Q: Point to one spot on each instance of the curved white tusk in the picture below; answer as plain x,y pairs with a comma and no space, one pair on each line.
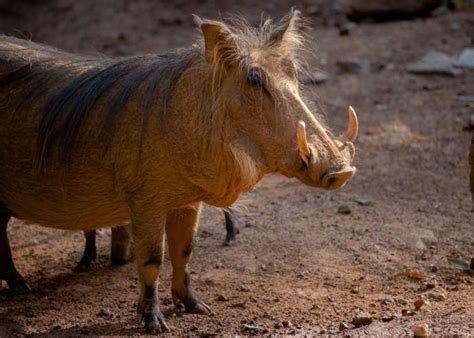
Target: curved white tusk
353,127
303,147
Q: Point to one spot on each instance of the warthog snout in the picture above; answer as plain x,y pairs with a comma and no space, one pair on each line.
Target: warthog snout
332,170
335,180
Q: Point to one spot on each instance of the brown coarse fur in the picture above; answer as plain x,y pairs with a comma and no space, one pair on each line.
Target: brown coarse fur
89,142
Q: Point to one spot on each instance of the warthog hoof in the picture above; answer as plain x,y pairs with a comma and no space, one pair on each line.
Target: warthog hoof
84,265
191,304
149,312
16,283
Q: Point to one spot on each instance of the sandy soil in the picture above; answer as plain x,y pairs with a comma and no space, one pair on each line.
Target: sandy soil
299,265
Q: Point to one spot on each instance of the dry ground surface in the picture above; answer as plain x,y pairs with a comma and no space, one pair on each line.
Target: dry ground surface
299,265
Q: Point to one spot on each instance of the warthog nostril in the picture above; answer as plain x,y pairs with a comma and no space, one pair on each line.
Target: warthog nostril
335,180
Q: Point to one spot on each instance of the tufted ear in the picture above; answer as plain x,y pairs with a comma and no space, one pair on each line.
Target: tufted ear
219,42
288,30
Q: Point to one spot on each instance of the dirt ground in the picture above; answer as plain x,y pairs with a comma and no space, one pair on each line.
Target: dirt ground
300,266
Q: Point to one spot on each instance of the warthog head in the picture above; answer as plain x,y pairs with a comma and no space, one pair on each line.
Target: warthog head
256,72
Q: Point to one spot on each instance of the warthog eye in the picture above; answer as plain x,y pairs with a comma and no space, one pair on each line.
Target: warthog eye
254,77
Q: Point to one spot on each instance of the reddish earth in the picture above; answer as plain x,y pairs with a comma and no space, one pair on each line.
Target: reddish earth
299,265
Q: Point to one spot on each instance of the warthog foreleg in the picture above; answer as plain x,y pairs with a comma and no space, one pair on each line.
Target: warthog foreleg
148,232
90,252
8,272
181,226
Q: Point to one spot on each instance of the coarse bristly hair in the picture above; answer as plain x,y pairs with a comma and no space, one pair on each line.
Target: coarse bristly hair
69,86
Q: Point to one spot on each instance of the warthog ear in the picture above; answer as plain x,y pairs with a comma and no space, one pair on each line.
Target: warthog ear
218,40
288,29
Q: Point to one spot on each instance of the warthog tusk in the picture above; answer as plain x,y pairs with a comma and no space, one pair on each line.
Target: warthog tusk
353,127
303,147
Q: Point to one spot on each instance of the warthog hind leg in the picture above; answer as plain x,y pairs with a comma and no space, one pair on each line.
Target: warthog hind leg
181,226
120,249
8,272
90,252
230,238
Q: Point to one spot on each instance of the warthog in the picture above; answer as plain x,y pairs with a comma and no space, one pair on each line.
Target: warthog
120,243
88,142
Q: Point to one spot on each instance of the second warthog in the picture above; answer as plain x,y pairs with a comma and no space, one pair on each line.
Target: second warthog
89,142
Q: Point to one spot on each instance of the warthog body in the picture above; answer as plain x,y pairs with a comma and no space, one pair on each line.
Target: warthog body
89,142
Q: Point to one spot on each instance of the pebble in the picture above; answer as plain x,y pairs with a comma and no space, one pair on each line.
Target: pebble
244,288
252,328
466,59
315,77
419,303
421,330
222,298
434,62
104,312
344,210
343,326
387,301
286,323
437,296
362,318
347,28
402,301
352,66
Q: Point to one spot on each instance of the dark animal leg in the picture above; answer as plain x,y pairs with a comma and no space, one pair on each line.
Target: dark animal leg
230,238
90,252
8,272
181,226
120,249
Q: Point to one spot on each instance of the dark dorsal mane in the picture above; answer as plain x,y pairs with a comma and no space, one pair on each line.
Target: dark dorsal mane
69,87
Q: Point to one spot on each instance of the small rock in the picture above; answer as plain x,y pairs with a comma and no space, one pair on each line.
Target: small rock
389,318
434,268
402,301
252,328
406,312
388,301
344,210
355,291
421,330
210,282
222,298
347,28
104,312
352,66
286,323
244,288
466,59
419,303
315,77
434,62
362,318
437,296
343,326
